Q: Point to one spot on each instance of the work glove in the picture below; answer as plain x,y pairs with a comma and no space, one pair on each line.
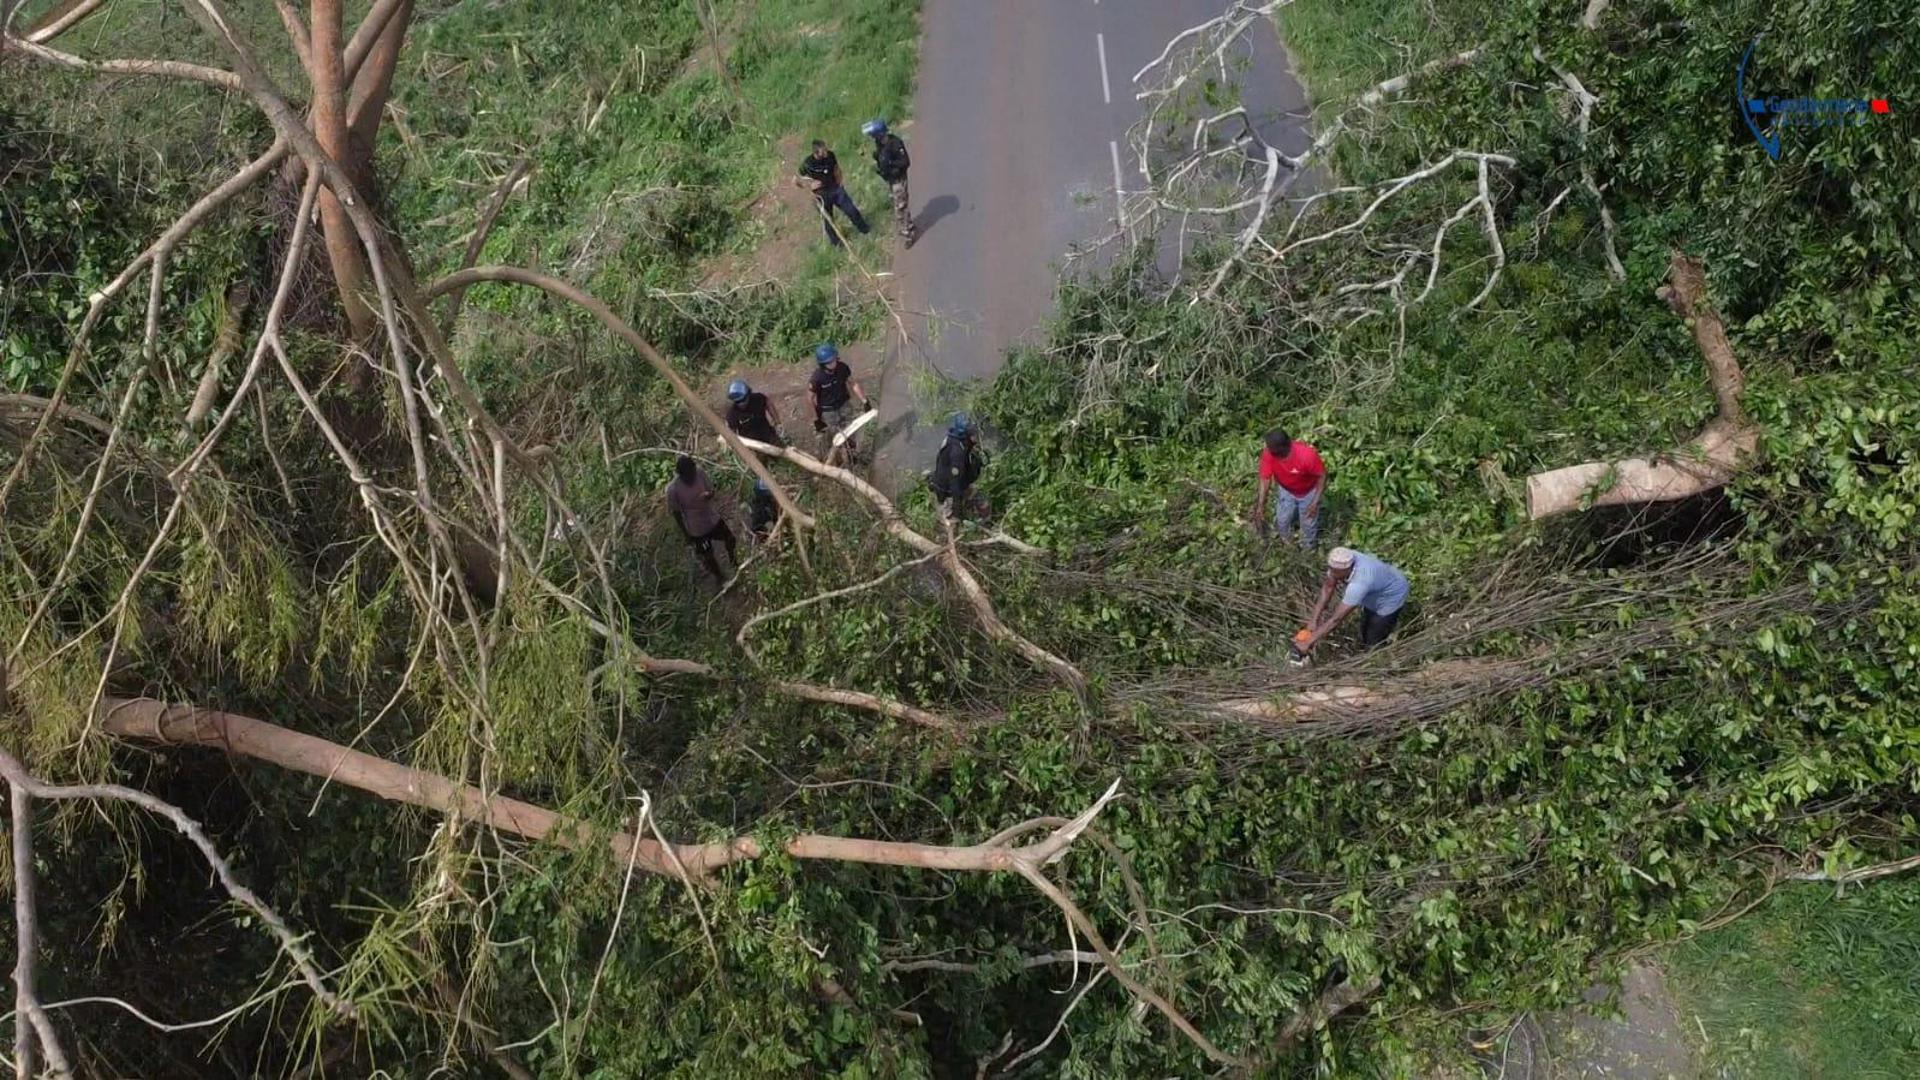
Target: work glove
869,404
819,424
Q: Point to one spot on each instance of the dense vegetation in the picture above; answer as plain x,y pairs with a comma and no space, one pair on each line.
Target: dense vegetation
1596,732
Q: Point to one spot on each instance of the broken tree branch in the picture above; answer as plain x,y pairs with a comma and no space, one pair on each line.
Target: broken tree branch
946,554
16,775
1709,461
821,598
63,18
593,306
1228,163
175,69
29,1019
1585,100
826,695
482,228
155,721
1860,873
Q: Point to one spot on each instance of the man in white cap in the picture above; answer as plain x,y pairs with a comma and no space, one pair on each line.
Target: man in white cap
1370,585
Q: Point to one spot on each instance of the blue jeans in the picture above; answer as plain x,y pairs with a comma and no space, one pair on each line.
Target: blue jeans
1287,505
838,198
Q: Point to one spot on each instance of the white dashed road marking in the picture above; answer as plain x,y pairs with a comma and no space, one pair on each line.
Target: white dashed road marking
1106,90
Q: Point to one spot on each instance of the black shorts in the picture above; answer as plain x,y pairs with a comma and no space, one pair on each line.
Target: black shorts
1375,628
705,543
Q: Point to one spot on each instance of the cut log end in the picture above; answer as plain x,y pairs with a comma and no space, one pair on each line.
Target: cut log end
1706,463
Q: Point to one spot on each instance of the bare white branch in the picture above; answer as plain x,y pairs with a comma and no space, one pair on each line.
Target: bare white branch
1584,101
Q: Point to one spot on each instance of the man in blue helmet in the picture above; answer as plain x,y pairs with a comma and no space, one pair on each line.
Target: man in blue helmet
831,390
955,468
762,510
890,160
820,174
751,414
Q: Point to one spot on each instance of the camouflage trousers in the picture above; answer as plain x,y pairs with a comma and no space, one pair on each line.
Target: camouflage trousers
902,215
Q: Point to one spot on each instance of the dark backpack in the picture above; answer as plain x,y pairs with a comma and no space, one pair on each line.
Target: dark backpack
890,158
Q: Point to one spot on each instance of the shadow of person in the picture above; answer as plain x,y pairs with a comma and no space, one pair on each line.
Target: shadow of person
937,207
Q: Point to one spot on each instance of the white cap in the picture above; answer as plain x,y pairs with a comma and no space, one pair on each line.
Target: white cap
1340,558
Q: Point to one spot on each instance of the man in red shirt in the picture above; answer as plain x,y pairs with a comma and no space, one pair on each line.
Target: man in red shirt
1294,470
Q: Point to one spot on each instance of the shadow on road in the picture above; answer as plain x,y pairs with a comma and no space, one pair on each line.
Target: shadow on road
937,207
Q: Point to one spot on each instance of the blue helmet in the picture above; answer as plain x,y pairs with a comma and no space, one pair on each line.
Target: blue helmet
825,353
737,390
961,427
875,127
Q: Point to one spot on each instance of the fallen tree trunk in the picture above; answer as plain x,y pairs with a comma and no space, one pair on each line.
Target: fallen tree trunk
1707,462
147,719
151,720
1356,699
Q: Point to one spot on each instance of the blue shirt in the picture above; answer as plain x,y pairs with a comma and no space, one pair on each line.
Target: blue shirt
1375,586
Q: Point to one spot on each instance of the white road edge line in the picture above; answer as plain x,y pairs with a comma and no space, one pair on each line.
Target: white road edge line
1119,194
1106,90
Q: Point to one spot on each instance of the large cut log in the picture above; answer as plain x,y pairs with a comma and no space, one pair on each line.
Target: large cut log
1701,465
1704,463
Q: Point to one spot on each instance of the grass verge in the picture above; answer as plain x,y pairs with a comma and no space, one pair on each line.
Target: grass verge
1813,983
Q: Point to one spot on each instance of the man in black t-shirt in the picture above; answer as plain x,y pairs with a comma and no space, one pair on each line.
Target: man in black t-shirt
832,389
820,174
751,414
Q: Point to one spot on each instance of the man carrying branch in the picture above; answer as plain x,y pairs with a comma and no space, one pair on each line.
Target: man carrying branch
752,415
820,174
832,389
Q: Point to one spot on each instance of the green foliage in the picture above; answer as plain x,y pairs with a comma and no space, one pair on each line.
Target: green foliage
239,596
647,167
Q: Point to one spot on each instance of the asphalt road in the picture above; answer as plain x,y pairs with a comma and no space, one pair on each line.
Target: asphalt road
1018,144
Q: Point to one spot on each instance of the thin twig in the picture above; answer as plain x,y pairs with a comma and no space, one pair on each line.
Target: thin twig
17,775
